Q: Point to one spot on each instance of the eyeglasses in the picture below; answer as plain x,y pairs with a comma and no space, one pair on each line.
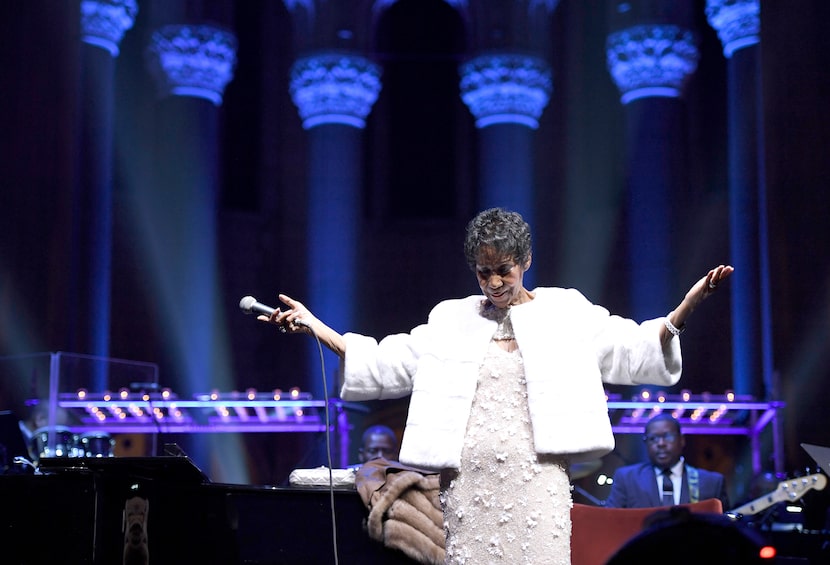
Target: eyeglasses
654,438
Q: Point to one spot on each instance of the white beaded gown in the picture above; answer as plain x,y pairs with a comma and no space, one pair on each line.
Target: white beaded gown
505,504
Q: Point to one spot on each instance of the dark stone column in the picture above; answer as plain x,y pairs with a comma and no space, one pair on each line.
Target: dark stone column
334,93
103,24
738,24
506,93
192,65
650,64
507,84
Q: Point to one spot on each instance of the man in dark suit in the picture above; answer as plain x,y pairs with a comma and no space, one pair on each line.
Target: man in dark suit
666,479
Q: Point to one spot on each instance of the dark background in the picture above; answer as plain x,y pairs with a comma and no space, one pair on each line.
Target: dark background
420,171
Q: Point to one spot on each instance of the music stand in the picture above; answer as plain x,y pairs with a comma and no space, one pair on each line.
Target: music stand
821,455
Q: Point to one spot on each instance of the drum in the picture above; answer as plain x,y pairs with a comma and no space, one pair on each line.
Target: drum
63,444
97,444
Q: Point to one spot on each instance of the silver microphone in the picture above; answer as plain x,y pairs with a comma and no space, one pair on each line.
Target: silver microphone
250,305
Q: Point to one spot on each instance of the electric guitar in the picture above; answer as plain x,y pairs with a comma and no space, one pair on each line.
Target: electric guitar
787,491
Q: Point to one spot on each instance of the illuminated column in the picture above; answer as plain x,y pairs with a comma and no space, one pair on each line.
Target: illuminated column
192,64
103,24
650,65
738,23
506,94
334,92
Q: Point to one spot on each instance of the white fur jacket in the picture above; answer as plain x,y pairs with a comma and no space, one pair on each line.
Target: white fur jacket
569,347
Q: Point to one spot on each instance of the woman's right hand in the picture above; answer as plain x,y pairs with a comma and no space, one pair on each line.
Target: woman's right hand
296,318
299,319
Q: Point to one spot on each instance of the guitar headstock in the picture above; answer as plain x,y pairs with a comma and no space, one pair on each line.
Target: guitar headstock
793,489
787,491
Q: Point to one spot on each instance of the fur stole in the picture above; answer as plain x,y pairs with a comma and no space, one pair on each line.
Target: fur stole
404,509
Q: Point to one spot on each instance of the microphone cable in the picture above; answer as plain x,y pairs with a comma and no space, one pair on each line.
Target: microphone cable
249,305
328,444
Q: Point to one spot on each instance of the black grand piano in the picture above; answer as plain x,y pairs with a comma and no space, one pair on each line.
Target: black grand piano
164,510
125,509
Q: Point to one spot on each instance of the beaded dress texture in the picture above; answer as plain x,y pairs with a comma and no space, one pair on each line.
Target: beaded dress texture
505,504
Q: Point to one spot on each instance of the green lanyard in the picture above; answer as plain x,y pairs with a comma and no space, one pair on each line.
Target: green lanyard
694,483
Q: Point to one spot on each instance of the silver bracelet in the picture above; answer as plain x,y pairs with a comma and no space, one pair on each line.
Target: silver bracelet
673,329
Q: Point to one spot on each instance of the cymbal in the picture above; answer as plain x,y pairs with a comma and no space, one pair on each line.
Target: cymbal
584,468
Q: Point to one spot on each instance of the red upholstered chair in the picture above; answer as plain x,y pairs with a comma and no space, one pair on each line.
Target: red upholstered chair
597,532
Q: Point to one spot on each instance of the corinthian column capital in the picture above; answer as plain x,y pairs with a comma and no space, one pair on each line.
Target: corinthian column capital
651,60
192,60
103,22
738,23
506,88
334,88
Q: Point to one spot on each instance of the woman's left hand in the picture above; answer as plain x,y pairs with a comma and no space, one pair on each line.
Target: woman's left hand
701,290
708,284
